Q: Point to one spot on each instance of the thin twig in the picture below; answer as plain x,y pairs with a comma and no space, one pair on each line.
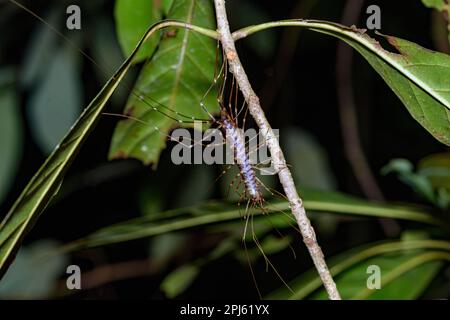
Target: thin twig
309,236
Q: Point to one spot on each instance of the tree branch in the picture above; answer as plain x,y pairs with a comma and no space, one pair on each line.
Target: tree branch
296,205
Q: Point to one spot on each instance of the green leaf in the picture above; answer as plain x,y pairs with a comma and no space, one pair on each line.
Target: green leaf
216,212
405,172
179,280
11,135
435,4
415,260
55,103
133,18
436,168
178,76
418,76
166,6
422,181
46,182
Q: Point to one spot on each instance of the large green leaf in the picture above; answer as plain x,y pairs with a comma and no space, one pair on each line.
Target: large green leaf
421,182
418,76
216,212
406,268
46,182
178,76
403,276
132,20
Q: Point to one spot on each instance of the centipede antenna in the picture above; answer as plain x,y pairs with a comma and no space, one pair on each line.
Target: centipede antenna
244,103
140,95
236,94
147,124
216,77
230,100
251,267
217,61
225,76
267,260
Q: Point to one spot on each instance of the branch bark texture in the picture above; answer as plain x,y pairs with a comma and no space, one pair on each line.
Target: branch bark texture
279,162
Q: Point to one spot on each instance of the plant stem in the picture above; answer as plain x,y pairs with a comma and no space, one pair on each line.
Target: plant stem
296,205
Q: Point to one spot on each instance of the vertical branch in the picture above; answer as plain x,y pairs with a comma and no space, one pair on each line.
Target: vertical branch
348,117
284,174
349,122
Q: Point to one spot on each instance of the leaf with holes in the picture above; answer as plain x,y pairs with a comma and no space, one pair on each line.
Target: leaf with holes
418,76
173,82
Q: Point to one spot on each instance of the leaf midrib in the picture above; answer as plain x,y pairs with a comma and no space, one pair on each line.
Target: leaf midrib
181,58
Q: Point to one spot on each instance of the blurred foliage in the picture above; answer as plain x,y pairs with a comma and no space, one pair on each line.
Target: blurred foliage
431,181
11,132
55,104
406,270
35,272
